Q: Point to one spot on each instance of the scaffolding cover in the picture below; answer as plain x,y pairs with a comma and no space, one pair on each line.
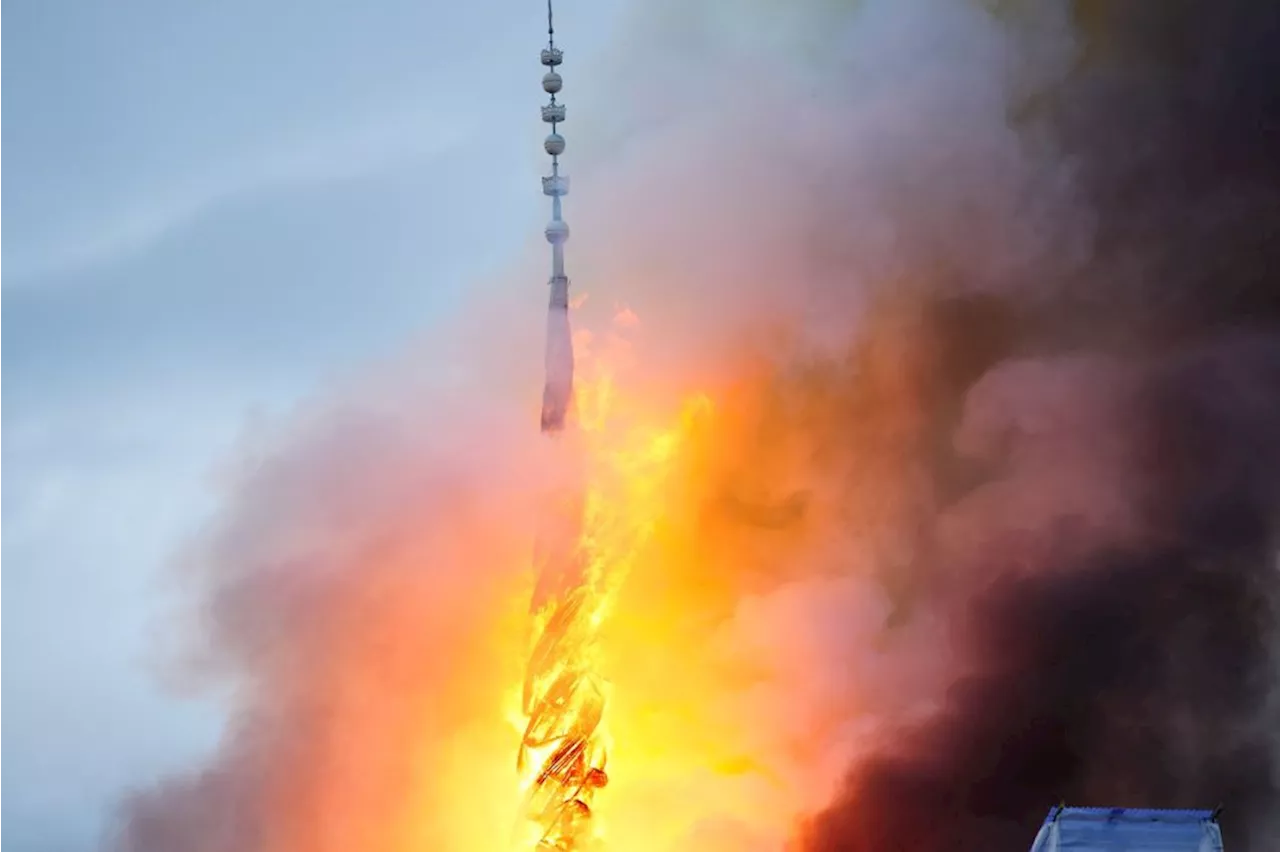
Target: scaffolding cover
1128,830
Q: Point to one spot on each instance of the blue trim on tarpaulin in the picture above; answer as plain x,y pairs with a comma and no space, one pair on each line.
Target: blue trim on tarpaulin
1128,830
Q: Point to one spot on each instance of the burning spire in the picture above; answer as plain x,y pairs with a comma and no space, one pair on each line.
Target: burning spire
558,392
561,757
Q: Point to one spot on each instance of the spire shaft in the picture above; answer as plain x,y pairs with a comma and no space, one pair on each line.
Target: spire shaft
557,394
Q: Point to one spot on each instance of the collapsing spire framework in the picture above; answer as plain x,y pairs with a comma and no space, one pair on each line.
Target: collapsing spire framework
561,757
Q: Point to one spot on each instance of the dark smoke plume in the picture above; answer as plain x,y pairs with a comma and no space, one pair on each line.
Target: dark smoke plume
1133,662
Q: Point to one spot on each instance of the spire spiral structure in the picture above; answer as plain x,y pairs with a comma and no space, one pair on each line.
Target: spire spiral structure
561,757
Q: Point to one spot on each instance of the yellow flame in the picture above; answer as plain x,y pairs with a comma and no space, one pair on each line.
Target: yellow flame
561,709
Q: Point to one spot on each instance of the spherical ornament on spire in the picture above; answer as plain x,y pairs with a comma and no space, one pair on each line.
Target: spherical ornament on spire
554,144
552,82
557,231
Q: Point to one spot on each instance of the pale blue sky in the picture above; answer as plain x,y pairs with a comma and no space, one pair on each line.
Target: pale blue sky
212,209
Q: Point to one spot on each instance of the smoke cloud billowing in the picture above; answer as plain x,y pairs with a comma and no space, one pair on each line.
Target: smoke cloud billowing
987,302
1110,581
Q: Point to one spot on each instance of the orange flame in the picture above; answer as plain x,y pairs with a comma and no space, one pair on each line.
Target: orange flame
592,540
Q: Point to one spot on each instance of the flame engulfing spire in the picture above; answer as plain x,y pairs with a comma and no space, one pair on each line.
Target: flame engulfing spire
561,756
558,392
